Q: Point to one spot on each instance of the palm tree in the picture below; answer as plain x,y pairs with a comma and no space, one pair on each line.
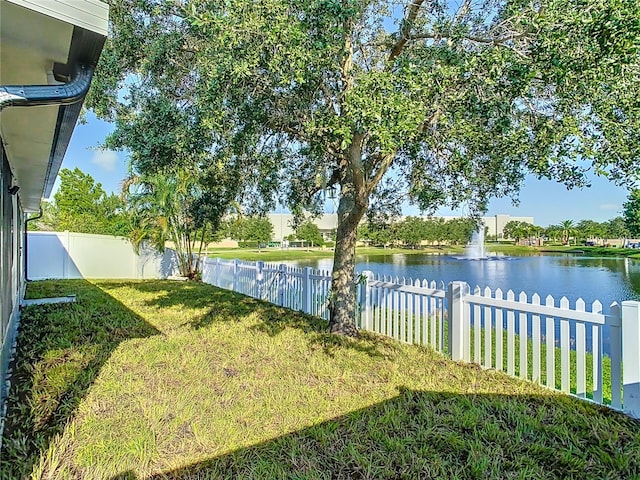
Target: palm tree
161,212
568,228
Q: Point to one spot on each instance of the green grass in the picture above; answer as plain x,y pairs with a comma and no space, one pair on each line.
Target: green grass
269,254
165,379
415,326
275,254
512,249
586,251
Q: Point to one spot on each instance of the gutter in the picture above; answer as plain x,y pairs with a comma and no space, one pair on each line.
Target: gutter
35,95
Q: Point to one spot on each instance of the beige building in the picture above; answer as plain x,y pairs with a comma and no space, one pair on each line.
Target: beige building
329,222
282,224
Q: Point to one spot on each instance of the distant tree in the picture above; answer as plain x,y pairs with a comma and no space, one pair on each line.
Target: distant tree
517,230
568,229
378,233
631,213
411,231
364,233
553,232
438,230
256,229
590,229
617,228
310,233
535,231
229,226
459,230
81,205
78,193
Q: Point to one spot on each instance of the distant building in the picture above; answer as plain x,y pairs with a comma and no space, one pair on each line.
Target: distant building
282,224
329,222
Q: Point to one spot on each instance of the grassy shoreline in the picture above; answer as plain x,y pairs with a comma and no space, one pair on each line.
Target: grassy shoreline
159,379
274,255
573,249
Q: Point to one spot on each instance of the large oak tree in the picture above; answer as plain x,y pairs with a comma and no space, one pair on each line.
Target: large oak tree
453,102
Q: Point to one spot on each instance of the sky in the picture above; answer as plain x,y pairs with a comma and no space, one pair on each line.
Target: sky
546,201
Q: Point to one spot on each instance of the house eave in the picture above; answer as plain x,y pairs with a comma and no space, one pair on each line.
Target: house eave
68,33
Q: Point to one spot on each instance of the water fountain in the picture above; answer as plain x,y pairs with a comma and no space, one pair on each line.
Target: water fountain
475,250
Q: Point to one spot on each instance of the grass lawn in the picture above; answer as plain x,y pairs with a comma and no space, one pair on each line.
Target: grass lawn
163,379
586,251
276,254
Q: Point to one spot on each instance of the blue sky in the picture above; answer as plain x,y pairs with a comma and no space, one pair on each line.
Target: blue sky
547,202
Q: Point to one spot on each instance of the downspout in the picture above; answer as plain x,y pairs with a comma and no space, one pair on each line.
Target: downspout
25,249
34,95
37,95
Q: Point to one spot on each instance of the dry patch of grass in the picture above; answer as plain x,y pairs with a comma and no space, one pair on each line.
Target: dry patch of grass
172,380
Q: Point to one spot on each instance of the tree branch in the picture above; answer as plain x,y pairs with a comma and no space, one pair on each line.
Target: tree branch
473,38
327,96
405,29
386,162
347,63
432,120
356,168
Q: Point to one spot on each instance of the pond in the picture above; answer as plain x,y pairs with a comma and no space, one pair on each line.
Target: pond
574,276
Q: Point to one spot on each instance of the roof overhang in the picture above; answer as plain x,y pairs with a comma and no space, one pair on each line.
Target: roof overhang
35,35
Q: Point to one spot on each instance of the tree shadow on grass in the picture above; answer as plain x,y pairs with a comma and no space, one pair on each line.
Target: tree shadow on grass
219,304
375,346
422,434
61,349
227,306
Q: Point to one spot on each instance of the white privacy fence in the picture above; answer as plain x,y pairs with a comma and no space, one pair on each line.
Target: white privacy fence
549,342
83,255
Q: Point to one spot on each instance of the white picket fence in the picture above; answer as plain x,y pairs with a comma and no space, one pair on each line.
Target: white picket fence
551,343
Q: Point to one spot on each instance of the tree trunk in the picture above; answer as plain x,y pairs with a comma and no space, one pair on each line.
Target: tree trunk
342,306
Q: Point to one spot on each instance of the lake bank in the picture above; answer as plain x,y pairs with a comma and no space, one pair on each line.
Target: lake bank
276,254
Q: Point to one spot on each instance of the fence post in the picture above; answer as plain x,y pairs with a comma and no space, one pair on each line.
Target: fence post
455,300
282,283
235,275
259,279
365,300
216,270
631,358
306,290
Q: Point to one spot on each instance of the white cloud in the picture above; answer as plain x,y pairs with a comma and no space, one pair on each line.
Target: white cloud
105,159
609,206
